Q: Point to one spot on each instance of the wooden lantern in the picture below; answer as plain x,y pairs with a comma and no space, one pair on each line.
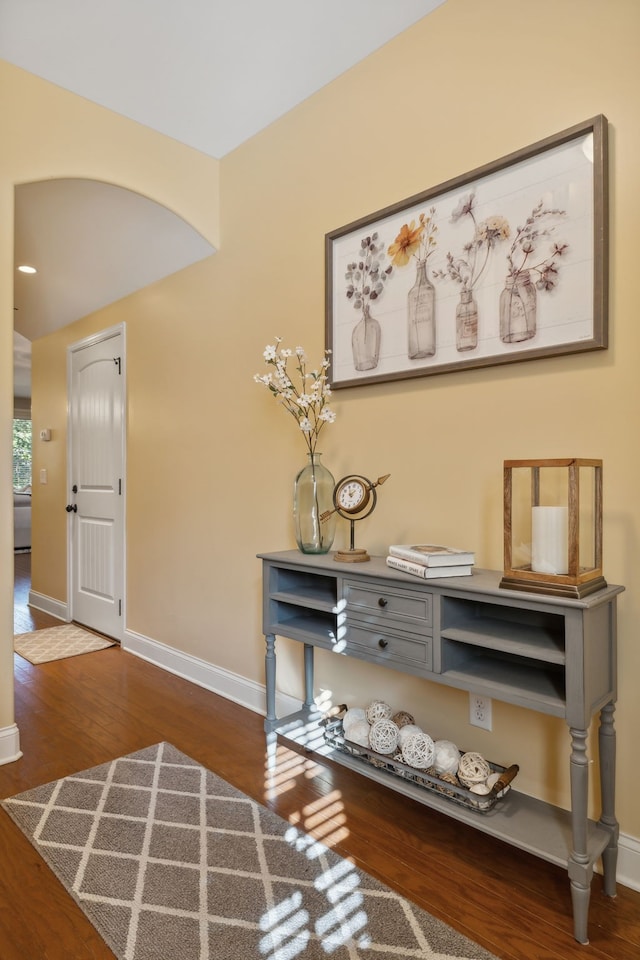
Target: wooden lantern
553,526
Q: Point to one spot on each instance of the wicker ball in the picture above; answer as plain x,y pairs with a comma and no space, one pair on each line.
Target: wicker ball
473,768
406,732
417,751
446,757
352,716
402,718
449,778
358,733
383,736
378,710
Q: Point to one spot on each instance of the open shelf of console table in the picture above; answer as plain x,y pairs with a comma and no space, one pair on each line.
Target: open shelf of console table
544,653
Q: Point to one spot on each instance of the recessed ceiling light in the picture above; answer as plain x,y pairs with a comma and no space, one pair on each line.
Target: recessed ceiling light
25,268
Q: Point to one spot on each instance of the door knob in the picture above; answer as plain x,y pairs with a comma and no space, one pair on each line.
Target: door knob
71,508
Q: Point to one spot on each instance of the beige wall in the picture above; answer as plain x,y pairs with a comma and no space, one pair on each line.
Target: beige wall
211,459
50,133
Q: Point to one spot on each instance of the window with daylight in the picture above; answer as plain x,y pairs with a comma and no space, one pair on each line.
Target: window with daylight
21,453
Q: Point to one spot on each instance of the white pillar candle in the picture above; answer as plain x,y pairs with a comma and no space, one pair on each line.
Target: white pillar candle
550,540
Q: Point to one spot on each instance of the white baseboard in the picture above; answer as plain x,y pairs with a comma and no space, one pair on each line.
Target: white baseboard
230,685
9,744
48,605
252,695
628,872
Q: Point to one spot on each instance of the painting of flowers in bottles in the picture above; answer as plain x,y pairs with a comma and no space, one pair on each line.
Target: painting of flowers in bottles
508,262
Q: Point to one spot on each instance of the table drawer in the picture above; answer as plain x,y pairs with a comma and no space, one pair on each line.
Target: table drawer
383,602
386,646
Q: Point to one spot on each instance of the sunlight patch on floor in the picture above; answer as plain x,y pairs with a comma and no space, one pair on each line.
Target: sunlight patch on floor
281,769
316,828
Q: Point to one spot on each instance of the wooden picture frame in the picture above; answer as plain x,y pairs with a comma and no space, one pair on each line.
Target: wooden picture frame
506,263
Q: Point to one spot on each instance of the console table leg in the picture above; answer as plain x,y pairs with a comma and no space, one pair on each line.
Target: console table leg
308,675
607,743
580,870
270,680
580,896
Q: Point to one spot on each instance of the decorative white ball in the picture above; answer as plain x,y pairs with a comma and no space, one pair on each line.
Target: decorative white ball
417,751
352,716
406,732
446,757
378,710
383,736
358,733
480,788
473,768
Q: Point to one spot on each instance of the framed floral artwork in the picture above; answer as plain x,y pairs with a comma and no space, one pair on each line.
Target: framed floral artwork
508,262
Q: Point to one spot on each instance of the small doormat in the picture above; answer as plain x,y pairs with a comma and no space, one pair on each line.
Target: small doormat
168,860
56,643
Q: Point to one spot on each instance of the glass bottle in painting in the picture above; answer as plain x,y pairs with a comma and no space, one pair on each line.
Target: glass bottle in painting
365,341
421,309
466,322
518,308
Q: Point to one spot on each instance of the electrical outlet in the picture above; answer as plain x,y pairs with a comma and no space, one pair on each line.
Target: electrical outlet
480,711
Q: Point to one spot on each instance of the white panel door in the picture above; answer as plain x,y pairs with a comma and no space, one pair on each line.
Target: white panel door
96,482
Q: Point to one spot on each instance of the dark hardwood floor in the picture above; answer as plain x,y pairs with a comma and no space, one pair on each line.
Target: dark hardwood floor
25,618
76,713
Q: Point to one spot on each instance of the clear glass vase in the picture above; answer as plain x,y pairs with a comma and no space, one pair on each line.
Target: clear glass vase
313,496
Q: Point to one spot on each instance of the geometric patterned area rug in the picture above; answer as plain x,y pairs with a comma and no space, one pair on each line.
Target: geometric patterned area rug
56,643
169,861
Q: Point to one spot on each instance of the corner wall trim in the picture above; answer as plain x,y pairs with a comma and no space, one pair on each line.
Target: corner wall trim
9,744
39,601
252,695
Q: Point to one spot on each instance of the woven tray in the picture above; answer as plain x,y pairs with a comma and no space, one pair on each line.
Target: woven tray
426,779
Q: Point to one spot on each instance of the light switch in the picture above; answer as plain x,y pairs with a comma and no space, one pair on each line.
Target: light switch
45,434
43,475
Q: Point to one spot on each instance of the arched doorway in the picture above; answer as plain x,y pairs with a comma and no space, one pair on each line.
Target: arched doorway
92,244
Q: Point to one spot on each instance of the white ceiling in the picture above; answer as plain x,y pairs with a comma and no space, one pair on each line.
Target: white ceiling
208,73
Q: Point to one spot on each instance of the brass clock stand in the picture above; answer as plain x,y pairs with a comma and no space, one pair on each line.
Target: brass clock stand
354,498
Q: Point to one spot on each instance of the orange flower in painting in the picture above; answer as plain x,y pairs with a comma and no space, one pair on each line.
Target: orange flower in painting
407,242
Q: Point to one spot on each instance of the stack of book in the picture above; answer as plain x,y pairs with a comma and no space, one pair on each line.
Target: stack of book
429,561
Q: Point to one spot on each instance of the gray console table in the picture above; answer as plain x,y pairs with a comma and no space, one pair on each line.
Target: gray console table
544,653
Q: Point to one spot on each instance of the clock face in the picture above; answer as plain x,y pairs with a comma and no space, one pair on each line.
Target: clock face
352,495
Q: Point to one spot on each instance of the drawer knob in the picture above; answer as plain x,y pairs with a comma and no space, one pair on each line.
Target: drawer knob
382,602
382,643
